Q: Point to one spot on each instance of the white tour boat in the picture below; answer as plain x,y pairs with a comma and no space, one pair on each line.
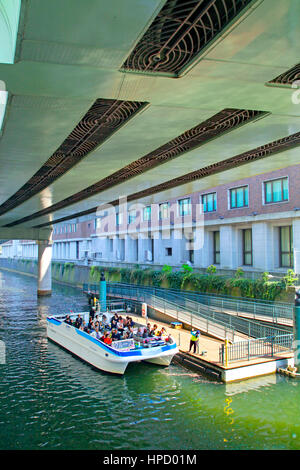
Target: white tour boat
112,358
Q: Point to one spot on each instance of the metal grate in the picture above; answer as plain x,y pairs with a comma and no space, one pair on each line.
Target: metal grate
238,160
180,31
287,78
256,154
224,121
103,118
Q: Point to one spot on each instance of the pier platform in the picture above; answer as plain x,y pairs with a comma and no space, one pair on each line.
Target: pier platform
207,361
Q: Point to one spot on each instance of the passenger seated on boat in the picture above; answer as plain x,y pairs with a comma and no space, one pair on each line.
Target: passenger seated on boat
114,320
95,333
115,335
106,338
163,333
153,330
91,324
68,320
145,333
105,321
120,324
126,335
130,332
78,321
85,327
129,322
140,332
100,325
168,339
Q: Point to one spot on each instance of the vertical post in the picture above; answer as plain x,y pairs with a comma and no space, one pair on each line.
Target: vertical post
297,329
44,268
102,293
226,352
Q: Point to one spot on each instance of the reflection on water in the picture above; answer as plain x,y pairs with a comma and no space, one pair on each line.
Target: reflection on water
51,400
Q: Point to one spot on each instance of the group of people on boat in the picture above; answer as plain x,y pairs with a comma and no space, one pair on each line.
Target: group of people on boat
117,328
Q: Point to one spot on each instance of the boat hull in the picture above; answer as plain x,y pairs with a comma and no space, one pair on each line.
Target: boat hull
161,361
101,356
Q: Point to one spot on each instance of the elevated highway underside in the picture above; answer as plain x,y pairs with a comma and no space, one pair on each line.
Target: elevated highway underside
144,99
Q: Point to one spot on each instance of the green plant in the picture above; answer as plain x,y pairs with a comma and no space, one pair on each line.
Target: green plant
187,268
211,269
166,268
290,278
265,276
239,273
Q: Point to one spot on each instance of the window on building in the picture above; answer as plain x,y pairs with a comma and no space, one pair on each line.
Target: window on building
216,239
247,247
286,247
168,251
276,190
239,197
209,202
119,218
131,216
97,223
184,206
147,213
111,244
164,210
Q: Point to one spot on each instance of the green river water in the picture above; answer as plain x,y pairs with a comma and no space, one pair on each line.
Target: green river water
51,400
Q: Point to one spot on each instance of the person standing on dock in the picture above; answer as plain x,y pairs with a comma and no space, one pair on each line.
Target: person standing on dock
194,341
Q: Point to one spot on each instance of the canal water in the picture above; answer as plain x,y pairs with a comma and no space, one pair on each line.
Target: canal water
51,400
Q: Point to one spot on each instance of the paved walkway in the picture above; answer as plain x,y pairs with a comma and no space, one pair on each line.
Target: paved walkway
206,343
182,338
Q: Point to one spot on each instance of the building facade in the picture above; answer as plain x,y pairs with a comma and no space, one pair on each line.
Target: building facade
252,223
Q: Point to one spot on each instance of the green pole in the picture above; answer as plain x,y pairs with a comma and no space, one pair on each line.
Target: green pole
297,329
102,293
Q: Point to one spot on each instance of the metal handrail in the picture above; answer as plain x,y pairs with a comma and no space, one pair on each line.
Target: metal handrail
254,348
194,293
195,319
236,324
277,312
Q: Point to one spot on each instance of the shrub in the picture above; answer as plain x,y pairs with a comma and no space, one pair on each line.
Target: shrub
211,269
187,268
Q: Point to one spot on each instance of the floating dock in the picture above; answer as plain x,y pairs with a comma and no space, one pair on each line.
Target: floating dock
207,361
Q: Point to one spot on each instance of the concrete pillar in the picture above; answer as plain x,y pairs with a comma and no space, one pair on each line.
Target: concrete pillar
205,255
228,247
263,246
44,267
131,248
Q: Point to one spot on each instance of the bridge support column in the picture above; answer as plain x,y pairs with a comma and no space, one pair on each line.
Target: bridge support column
44,267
